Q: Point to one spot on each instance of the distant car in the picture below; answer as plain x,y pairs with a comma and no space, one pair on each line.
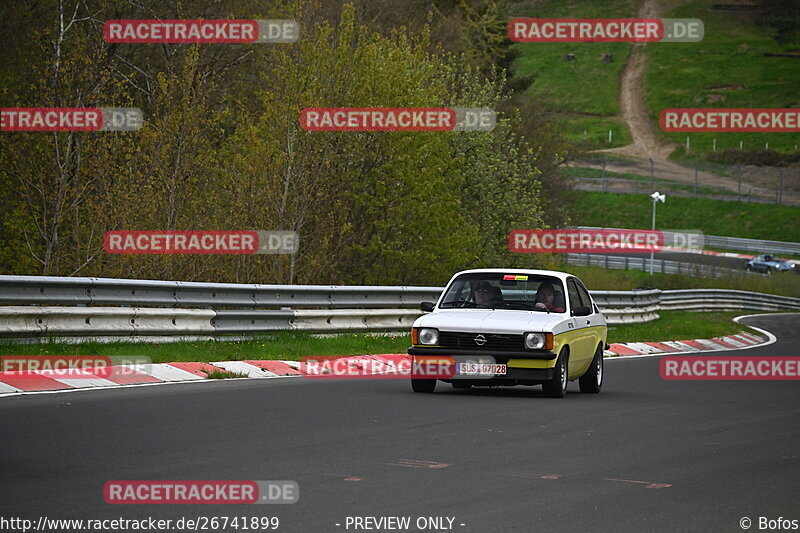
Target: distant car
513,327
768,264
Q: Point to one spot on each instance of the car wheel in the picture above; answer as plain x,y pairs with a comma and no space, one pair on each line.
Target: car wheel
556,387
749,268
592,380
460,385
423,385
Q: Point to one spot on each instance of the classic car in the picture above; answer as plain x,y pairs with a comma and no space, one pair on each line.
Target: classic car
768,264
513,327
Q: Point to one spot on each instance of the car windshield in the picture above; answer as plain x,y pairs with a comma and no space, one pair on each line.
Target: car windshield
499,290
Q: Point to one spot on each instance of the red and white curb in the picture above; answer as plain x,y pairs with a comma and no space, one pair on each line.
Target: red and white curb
41,381
48,381
730,342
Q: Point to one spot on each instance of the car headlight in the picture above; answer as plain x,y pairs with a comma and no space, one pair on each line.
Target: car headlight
534,341
428,336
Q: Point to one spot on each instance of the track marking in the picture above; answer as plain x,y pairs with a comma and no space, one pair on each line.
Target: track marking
648,484
523,473
414,463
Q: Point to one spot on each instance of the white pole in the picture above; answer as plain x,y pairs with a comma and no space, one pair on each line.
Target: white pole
654,228
714,148
687,144
609,136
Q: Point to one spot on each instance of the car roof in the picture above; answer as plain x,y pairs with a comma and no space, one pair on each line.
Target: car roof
554,273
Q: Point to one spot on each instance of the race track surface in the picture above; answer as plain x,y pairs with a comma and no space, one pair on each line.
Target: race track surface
644,455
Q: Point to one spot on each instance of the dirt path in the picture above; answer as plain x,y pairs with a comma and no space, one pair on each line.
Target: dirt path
646,143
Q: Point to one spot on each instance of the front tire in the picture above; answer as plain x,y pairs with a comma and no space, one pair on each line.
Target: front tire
556,387
592,380
423,385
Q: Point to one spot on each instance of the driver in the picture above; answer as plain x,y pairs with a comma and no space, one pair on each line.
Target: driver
483,294
546,298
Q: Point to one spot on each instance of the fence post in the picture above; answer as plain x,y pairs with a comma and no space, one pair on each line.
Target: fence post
739,190
695,179
605,180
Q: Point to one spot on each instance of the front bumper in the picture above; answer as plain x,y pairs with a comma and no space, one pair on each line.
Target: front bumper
498,356
514,375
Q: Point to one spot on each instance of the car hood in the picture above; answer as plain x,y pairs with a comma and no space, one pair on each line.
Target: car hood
490,321
780,264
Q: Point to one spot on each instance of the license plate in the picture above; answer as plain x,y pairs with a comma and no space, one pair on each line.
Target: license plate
481,369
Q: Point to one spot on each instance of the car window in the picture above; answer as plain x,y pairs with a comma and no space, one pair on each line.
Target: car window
586,300
499,290
574,297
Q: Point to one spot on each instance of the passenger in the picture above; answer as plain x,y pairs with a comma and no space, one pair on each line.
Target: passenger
546,298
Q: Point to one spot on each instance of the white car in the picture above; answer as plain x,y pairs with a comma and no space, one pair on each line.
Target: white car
512,327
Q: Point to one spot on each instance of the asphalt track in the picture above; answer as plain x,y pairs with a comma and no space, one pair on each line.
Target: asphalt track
698,259
644,455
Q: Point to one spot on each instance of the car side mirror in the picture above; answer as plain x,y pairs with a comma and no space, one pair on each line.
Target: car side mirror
581,311
427,306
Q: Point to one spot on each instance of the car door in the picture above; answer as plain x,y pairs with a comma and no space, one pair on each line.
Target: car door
581,338
595,321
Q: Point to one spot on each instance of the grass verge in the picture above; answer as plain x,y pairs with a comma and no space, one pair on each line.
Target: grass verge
289,346
678,325
712,217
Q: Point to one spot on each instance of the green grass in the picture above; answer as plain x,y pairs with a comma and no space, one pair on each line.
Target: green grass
586,89
283,345
712,217
223,374
678,325
726,69
731,54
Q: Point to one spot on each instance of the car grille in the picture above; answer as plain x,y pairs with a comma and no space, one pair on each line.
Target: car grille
494,341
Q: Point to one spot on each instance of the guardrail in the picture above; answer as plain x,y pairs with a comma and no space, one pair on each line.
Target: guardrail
659,265
753,245
624,307
726,300
47,290
124,322
757,246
